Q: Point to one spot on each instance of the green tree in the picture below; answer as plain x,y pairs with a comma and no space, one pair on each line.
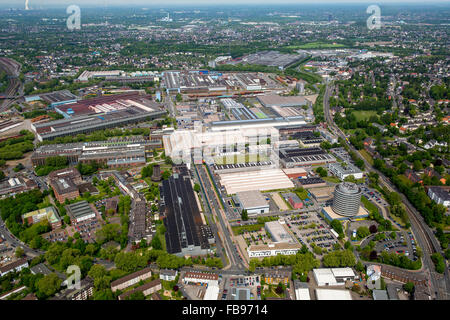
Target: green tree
48,285
156,243
244,215
409,287
362,232
19,252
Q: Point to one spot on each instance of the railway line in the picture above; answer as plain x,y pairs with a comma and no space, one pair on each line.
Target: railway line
12,69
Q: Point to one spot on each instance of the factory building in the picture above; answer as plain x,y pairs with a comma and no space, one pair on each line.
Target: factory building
266,123
103,113
55,98
331,138
182,217
298,157
182,144
252,201
264,179
113,153
270,101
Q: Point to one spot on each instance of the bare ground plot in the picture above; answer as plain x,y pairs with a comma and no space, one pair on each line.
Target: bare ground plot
279,201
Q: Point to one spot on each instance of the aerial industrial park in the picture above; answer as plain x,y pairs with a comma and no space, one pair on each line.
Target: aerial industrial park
189,156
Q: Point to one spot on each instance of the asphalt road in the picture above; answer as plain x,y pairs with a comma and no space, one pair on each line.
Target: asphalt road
15,243
439,285
224,229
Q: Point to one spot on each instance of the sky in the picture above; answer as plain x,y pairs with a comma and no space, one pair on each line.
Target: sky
18,3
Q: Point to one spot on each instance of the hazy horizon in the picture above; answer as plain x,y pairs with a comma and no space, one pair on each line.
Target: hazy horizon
102,3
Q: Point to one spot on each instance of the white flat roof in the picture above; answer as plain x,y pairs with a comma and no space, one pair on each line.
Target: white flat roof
252,199
264,179
333,294
212,292
343,272
324,275
302,294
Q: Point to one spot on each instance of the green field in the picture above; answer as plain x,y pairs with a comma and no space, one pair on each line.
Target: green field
364,115
332,179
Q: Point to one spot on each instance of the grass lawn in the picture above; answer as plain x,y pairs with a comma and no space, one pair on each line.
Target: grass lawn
364,114
302,195
161,236
368,204
332,179
237,230
270,293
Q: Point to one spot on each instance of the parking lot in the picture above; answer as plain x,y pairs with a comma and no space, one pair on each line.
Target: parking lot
373,195
403,243
86,229
310,228
56,235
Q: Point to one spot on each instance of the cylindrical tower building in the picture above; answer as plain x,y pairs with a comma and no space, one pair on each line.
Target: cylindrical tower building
347,199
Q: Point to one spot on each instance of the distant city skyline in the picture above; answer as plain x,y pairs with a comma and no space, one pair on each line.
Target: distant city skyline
49,3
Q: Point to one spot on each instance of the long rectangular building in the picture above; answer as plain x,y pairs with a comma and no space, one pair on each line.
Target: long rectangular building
297,157
265,179
95,115
182,216
113,153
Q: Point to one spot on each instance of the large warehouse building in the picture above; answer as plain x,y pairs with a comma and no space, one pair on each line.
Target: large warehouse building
96,114
297,157
270,101
182,216
252,201
113,153
265,179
